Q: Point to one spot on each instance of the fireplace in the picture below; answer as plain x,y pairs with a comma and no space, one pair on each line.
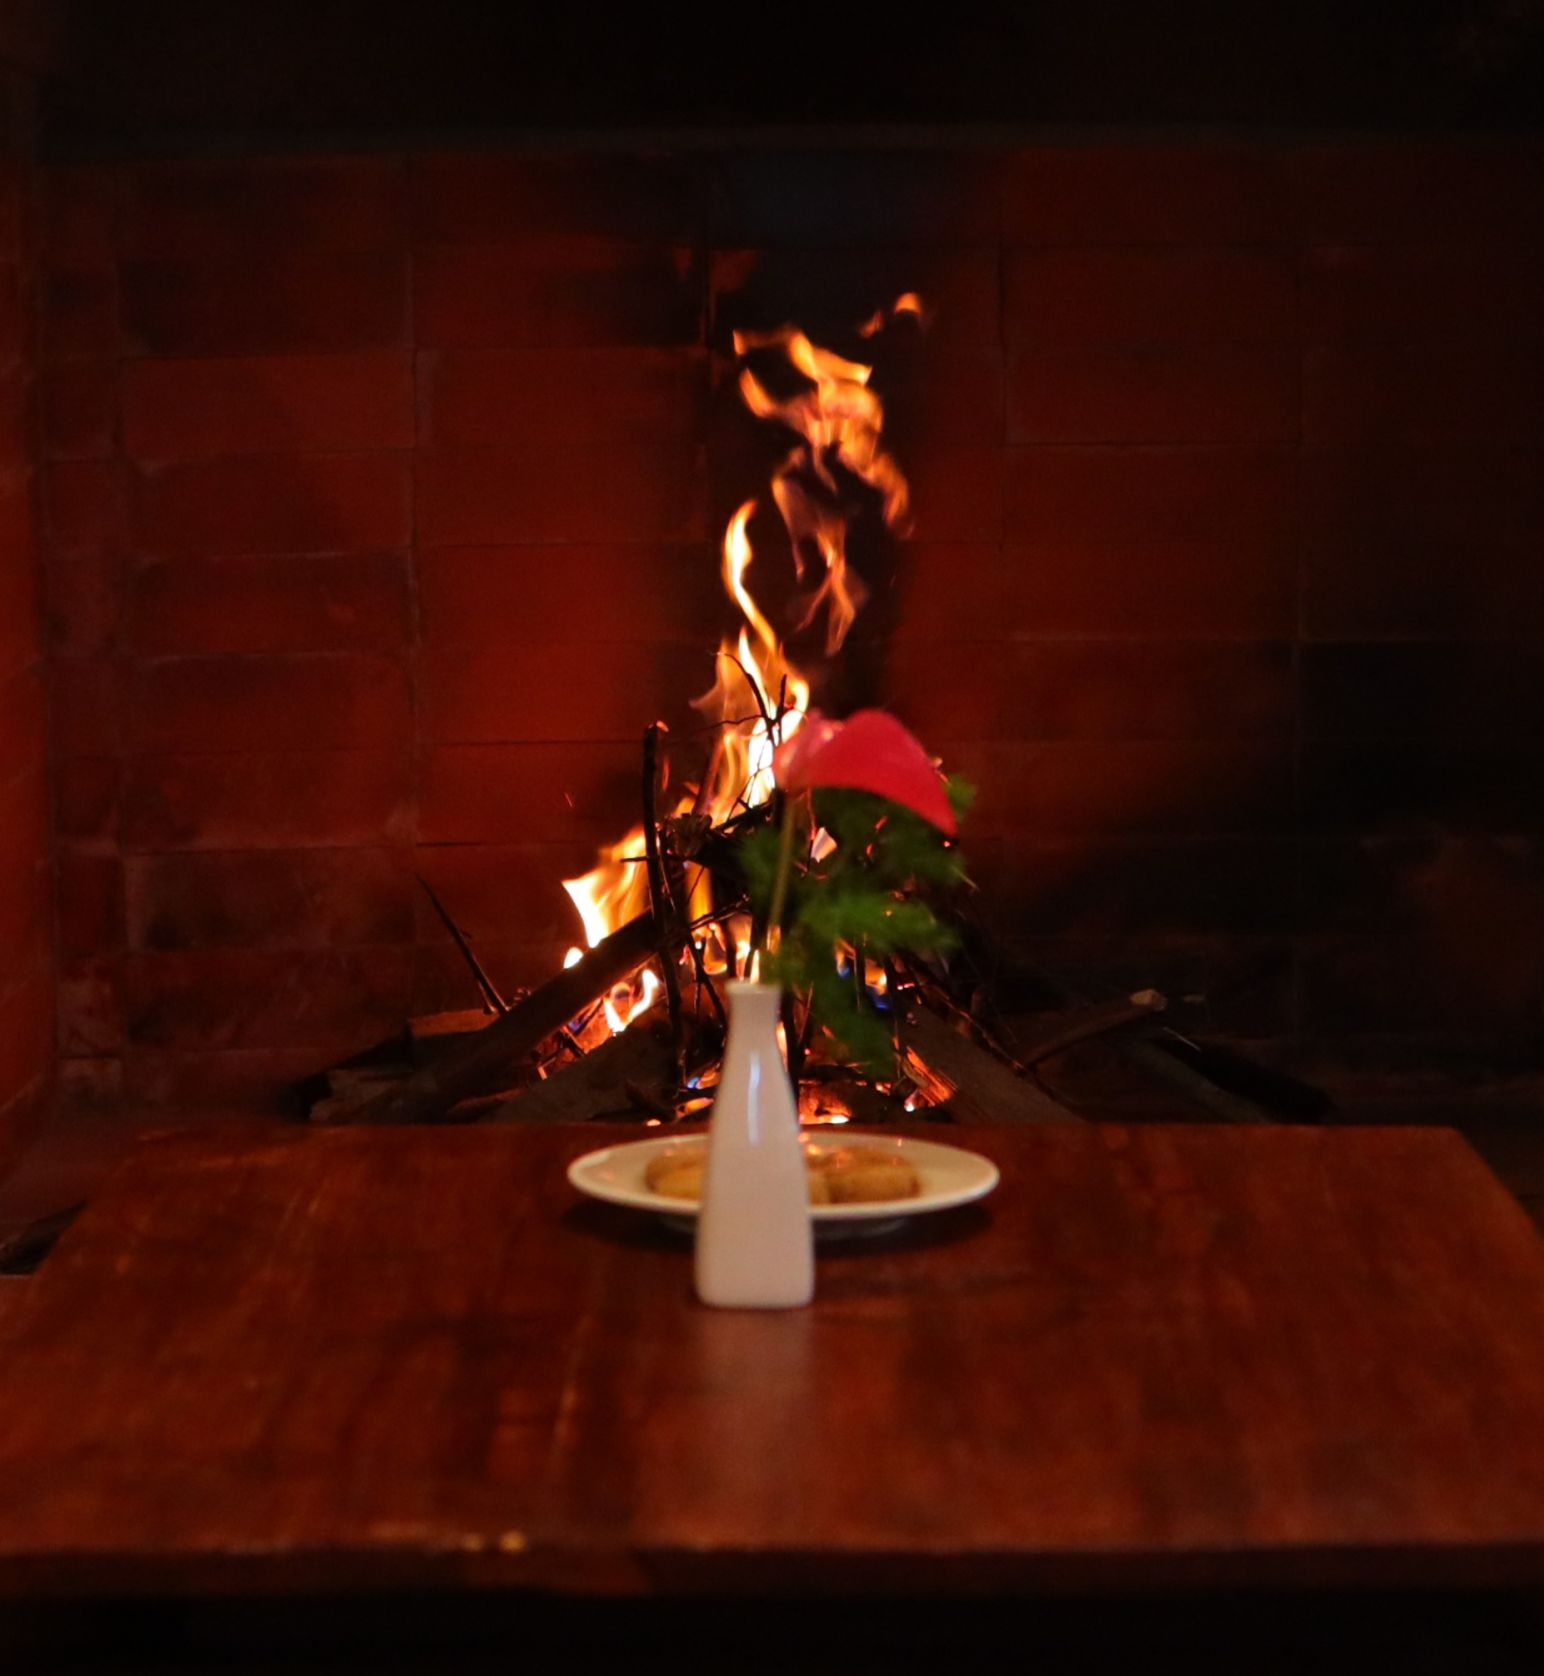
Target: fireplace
381,495
383,499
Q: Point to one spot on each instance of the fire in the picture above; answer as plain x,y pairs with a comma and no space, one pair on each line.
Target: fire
759,697
612,893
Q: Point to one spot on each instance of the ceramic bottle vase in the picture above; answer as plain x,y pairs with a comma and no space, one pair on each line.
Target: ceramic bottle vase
755,1243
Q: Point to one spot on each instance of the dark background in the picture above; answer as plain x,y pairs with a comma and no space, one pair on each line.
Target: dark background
167,75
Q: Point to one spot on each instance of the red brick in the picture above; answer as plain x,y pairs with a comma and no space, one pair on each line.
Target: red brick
956,493
17,194
1488,983
86,791
208,209
337,603
860,196
503,891
1116,496
91,1085
337,1001
23,725
26,1041
87,508
19,624
441,982
244,800
17,315
501,794
514,297
831,292
490,693
1393,497
1220,193
947,590
1061,298
1418,192
85,602
1177,886
1423,692
80,411
1402,885
1156,395
248,704
479,196
1358,786
1423,393
1124,787
89,894
90,1007
281,899
482,497
1381,294
280,303
19,425
512,596
274,503
942,400
80,314
239,1082
84,706
1192,589
1096,690
526,398
1361,588
187,410
26,930
79,213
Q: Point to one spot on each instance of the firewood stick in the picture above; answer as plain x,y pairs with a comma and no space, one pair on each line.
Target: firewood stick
984,1089
1084,1023
666,920
493,1002
468,1068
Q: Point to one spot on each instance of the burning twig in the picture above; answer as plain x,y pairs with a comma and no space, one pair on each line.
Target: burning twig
493,1002
666,919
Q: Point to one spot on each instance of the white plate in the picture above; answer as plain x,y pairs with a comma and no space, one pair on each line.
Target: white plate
948,1176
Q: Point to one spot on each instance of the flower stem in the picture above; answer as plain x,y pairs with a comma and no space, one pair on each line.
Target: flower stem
774,918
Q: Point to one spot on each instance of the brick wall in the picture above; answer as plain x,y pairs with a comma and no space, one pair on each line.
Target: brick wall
384,497
26,980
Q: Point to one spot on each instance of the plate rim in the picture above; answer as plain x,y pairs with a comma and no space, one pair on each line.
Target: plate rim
632,1199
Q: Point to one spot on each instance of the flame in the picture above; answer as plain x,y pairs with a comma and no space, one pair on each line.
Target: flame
759,697
612,893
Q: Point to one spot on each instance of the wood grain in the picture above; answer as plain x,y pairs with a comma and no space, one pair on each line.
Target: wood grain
375,1358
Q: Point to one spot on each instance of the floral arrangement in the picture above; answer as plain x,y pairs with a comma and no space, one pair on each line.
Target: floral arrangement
847,879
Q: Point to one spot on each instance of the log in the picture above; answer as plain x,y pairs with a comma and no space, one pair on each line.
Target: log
1065,1030
432,1034
984,1089
468,1068
633,1071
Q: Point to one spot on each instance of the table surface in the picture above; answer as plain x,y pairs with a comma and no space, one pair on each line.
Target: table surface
1157,1356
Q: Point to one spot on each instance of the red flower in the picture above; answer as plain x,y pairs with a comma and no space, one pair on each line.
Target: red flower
870,751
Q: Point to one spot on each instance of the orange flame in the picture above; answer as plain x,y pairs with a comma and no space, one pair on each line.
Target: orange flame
758,697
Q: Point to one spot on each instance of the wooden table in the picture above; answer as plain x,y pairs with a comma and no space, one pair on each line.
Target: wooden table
1158,1356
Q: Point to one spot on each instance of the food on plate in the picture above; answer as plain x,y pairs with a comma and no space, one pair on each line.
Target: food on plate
838,1175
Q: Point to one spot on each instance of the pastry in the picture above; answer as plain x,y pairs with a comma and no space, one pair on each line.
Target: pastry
838,1175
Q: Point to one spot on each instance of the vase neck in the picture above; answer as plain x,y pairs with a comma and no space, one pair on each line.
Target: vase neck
755,1003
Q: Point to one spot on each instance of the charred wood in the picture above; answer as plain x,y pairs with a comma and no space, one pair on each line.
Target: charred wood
983,1089
475,1064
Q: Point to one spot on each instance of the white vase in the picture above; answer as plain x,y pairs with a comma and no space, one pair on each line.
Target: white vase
755,1242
